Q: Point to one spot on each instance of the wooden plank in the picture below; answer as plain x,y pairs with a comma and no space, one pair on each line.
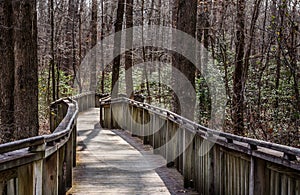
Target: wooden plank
38,177
25,180
188,158
50,174
113,171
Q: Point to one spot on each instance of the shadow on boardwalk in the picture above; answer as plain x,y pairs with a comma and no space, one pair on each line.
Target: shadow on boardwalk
113,162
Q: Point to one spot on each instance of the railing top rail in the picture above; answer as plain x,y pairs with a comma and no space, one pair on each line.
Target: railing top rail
61,131
207,132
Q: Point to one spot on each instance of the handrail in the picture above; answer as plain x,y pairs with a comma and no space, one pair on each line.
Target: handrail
289,152
212,161
20,144
37,140
60,145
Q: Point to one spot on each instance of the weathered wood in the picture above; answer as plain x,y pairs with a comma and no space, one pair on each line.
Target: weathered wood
146,126
50,174
19,144
11,187
61,171
227,168
26,180
69,161
38,177
234,165
107,164
188,159
74,144
107,116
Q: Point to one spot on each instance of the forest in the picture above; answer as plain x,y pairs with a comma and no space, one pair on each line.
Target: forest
254,45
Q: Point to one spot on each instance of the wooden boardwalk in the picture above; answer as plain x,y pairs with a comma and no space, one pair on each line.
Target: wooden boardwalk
107,164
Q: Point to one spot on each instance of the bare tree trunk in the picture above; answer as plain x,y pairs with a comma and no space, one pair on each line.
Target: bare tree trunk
204,33
186,22
295,68
78,75
94,32
255,14
6,73
52,60
102,53
128,54
26,69
238,82
117,49
144,50
74,23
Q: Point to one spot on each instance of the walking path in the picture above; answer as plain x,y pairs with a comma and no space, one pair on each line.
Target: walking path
113,162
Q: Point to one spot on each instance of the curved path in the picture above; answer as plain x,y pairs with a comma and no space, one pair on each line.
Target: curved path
112,162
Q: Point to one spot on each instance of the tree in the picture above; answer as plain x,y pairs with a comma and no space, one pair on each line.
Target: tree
94,32
128,54
117,49
238,81
186,22
101,46
52,52
26,69
6,72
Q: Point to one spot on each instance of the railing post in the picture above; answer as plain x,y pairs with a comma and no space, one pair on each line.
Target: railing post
124,116
131,120
188,158
101,115
257,177
52,117
38,177
30,178
146,124
107,116
50,174
74,143
172,138
69,160
61,171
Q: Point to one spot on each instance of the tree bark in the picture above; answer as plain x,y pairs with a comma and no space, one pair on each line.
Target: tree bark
238,82
94,32
6,73
26,69
52,60
128,54
186,22
117,49
102,37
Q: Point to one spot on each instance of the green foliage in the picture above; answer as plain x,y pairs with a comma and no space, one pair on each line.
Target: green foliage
203,112
45,90
107,82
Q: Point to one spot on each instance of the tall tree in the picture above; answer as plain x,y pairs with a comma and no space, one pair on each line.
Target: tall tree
26,68
94,32
238,81
128,54
117,49
52,52
6,72
101,46
186,22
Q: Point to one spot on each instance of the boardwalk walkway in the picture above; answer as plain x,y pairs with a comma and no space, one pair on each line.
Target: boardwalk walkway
112,162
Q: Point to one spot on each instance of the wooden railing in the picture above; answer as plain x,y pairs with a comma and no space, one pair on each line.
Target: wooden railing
43,164
212,162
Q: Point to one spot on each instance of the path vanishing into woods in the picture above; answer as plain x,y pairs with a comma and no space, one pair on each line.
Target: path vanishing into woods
113,162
